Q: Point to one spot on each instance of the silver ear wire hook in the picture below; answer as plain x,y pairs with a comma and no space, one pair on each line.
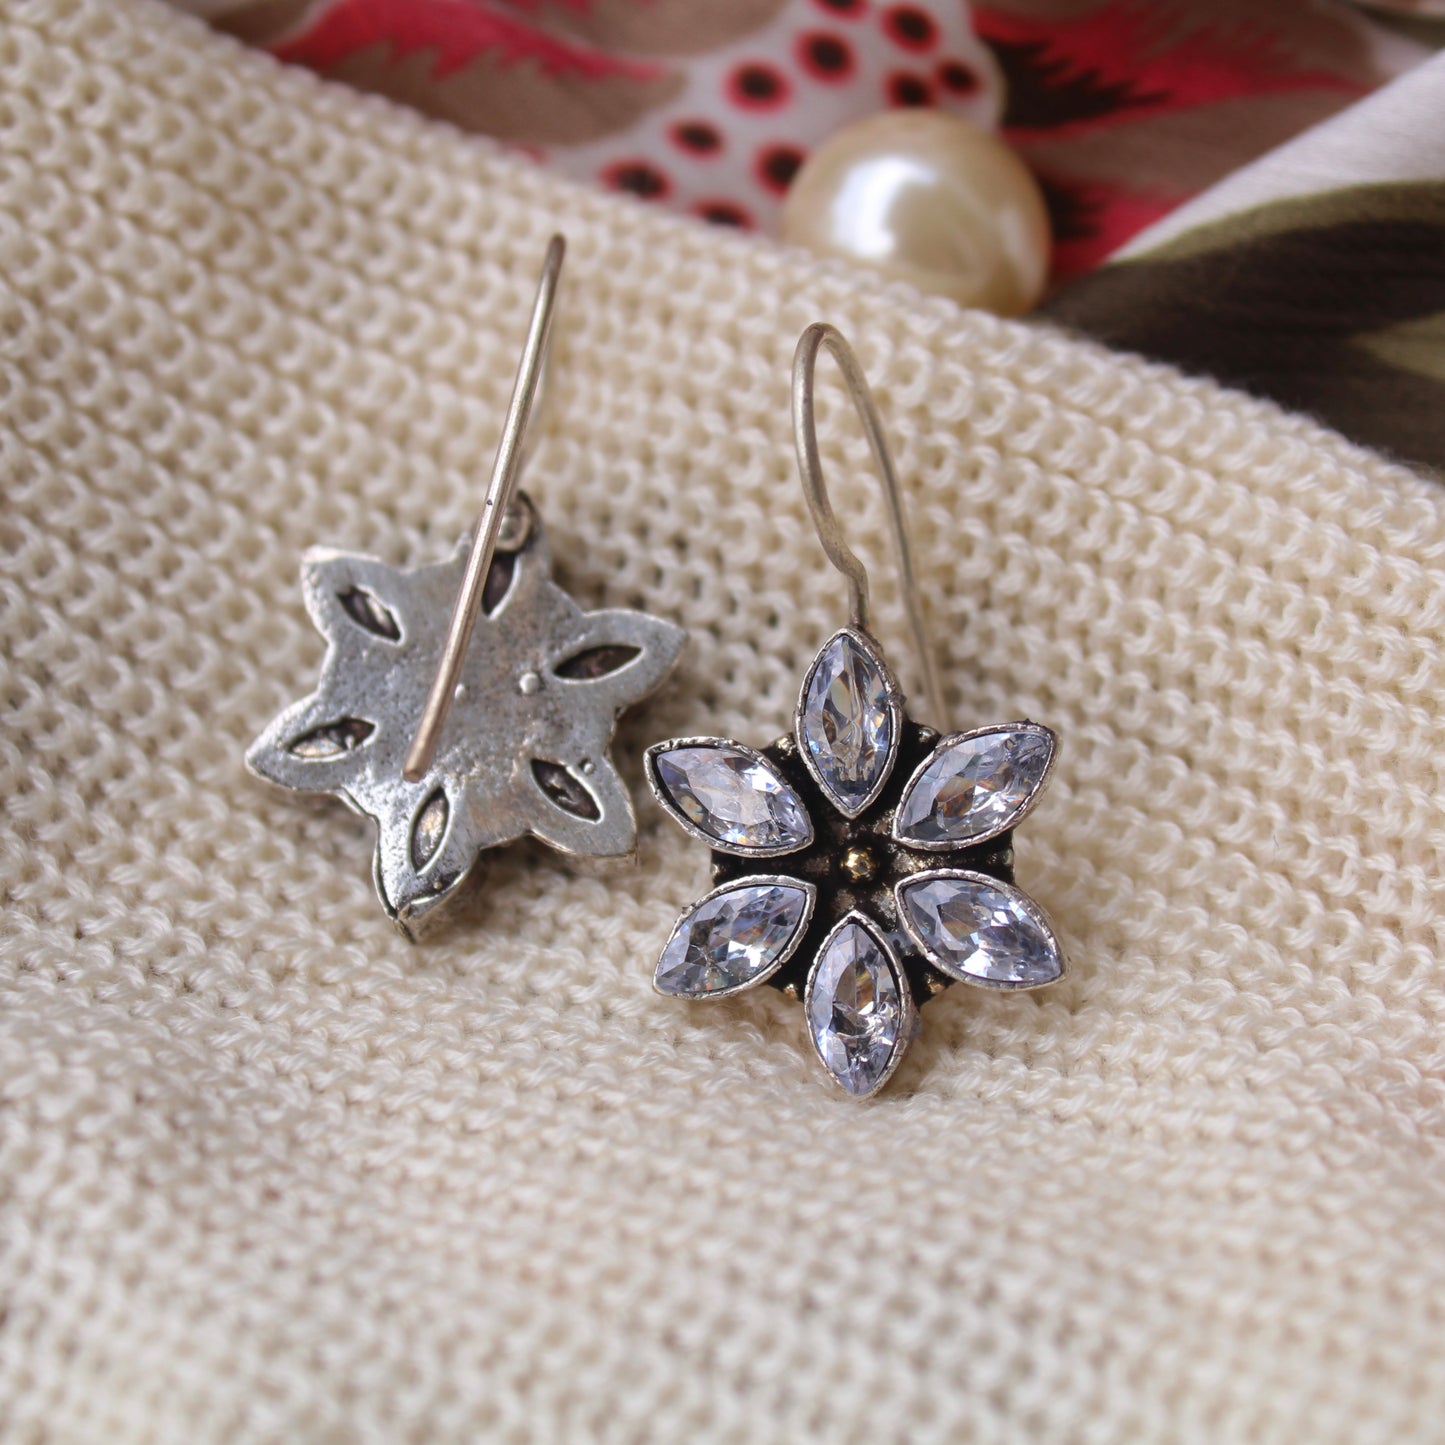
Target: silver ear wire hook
876,852
508,735
810,468
505,471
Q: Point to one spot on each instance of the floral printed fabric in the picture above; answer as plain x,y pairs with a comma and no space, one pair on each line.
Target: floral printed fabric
1123,108
1266,177
1313,276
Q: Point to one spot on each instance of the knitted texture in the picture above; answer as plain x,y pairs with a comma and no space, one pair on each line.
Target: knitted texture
270,1173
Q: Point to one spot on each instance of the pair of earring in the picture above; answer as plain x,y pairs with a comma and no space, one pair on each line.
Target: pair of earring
863,862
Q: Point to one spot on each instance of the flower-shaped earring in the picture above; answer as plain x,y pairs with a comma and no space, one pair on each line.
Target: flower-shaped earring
863,862
531,683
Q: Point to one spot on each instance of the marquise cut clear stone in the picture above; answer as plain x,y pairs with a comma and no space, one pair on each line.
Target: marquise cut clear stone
845,724
731,940
980,931
855,1007
735,798
973,788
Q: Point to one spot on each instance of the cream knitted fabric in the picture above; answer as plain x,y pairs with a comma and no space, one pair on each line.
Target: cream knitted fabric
270,1173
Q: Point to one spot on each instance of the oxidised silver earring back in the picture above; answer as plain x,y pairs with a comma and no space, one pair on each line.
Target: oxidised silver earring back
863,862
457,738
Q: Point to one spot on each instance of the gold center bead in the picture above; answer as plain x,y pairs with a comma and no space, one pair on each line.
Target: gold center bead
859,865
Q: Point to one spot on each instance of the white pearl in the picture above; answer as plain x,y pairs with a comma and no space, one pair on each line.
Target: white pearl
928,198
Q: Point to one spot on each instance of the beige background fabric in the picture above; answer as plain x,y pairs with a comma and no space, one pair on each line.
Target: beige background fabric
270,1173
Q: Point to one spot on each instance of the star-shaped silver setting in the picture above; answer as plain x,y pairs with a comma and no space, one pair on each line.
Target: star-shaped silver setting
525,747
863,863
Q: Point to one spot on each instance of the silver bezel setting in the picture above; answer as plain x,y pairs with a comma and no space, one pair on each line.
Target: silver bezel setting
1022,900
1025,808
757,880
894,701
736,850
908,1008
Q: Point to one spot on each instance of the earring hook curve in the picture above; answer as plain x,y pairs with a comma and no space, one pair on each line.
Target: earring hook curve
506,468
814,339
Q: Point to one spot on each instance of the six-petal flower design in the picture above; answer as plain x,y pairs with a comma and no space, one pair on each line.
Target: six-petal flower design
863,863
525,745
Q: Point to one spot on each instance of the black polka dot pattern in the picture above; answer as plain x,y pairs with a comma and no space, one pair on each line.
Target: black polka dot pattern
826,57
697,137
906,89
724,213
777,165
956,77
758,86
641,178
910,27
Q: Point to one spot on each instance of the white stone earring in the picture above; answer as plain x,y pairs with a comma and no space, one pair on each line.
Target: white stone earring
456,738
863,862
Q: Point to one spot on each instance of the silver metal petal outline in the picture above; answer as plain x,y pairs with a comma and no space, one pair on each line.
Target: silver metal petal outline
802,834
905,1010
809,725
329,576
1033,924
959,744
657,642
611,834
412,895
808,896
